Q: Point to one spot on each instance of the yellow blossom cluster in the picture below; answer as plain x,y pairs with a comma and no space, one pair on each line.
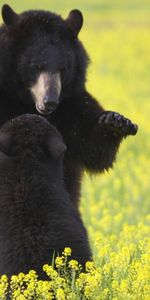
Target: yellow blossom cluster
122,273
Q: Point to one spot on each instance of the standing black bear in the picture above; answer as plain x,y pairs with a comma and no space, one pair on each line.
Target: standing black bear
36,214
43,69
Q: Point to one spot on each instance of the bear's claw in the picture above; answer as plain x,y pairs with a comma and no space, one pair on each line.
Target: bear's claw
117,124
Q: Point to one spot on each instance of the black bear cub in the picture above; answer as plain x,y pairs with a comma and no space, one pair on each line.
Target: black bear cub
36,214
43,68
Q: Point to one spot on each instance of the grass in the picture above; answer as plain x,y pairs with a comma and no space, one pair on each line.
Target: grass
115,206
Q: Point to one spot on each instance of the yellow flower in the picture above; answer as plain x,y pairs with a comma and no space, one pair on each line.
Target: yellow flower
50,271
124,286
14,279
60,295
67,251
3,286
105,293
89,266
115,285
59,261
73,264
20,297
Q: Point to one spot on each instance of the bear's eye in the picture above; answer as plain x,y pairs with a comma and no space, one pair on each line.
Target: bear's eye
35,67
63,71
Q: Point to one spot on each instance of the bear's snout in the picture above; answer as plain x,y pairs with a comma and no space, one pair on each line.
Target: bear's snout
46,92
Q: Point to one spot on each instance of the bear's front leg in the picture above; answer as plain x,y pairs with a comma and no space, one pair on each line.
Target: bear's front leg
92,134
116,124
99,139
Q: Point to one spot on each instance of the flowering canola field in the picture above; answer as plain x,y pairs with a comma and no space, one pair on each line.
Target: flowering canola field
115,206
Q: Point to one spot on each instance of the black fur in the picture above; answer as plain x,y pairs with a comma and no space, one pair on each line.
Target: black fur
36,214
37,41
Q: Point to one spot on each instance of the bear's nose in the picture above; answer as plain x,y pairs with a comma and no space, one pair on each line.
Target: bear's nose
50,103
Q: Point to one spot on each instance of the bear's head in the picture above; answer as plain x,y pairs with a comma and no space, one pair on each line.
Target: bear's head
31,133
48,62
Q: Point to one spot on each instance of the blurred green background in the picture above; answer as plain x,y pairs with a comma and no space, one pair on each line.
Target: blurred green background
116,35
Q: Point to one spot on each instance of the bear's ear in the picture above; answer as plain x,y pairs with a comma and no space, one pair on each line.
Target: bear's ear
5,142
55,145
9,16
75,21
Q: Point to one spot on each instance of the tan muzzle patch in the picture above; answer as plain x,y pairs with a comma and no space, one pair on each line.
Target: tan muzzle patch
46,91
